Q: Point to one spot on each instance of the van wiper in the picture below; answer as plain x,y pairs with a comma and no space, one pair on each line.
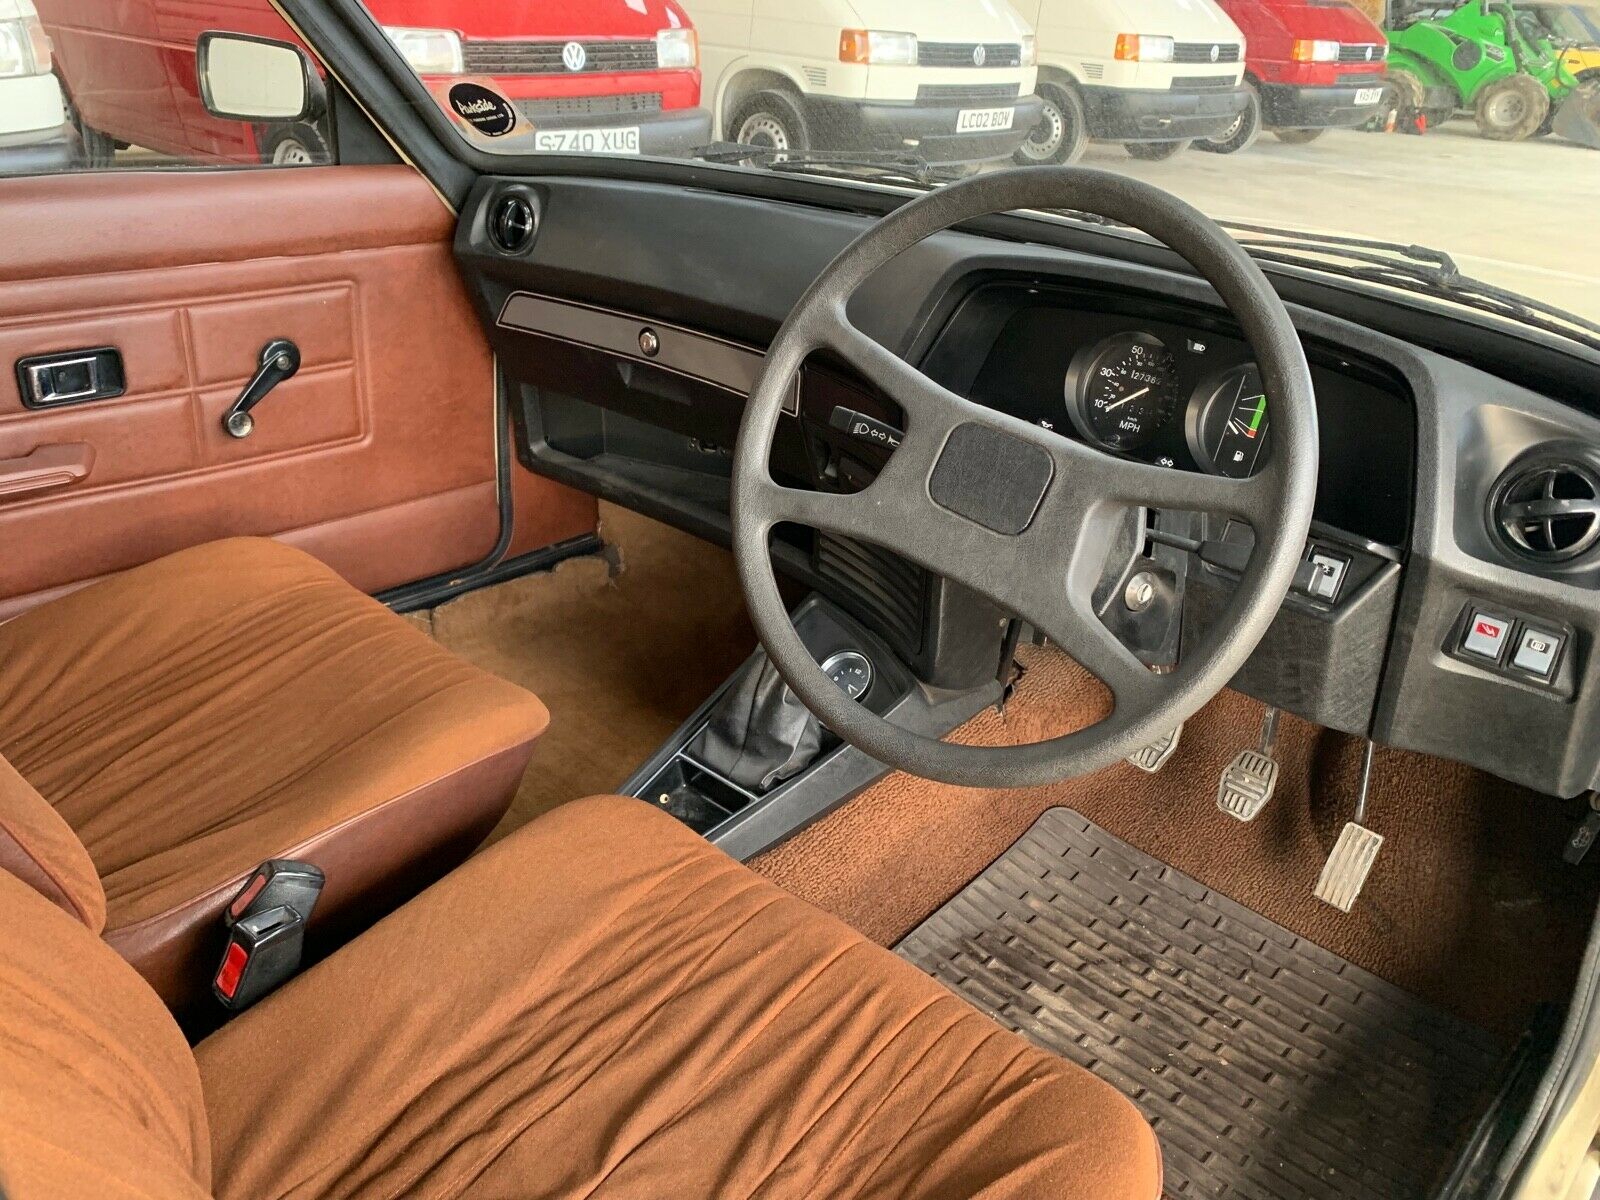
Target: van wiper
888,166
1419,269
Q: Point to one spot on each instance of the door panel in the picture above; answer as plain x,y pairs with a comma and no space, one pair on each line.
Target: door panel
378,455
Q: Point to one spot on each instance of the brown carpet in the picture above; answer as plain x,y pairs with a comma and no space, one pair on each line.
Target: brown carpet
621,648
1469,905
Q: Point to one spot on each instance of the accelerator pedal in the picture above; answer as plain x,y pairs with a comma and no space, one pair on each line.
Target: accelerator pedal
1345,873
1250,779
1153,757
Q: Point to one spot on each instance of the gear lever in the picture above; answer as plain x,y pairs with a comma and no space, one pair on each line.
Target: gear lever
760,733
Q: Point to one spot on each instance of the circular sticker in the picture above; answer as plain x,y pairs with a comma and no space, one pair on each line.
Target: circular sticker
485,111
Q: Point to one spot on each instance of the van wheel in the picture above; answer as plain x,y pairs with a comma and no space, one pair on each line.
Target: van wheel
774,120
98,149
295,146
1241,135
1299,137
1512,108
1062,134
1155,151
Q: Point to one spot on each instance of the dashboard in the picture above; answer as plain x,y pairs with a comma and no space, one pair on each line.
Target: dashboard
1160,384
1450,595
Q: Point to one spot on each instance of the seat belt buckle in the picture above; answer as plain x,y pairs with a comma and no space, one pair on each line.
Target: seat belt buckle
276,883
266,926
263,950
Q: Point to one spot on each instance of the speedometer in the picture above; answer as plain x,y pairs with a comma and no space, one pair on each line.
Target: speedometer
1121,391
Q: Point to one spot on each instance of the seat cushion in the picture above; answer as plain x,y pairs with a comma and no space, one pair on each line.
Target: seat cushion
99,1095
605,1005
238,702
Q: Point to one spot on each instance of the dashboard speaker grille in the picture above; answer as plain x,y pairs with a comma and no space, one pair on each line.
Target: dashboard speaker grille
1548,511
887,590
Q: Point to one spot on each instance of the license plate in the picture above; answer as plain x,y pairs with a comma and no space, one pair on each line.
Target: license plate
1369,95
984,120
588,141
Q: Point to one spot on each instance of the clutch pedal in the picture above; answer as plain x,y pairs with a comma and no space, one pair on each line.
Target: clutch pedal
1251,778
1153,757
1345,873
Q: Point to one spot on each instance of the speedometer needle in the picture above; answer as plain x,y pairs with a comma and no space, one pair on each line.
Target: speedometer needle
1125,399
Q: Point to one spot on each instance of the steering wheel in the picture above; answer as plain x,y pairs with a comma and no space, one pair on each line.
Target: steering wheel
1021,515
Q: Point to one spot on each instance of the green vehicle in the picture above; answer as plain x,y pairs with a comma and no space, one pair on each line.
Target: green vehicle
1484,56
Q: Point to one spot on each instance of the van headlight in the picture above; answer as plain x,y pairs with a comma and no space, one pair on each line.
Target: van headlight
427,51
24,48
878,48
1030,50
677,49
1306,50
1144,47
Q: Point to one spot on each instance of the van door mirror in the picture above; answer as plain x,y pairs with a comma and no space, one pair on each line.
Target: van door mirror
246,78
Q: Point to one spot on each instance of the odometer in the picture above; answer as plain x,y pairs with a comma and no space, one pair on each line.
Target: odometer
1121,391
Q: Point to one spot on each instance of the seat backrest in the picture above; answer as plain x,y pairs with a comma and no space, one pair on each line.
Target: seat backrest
99,1092
38,847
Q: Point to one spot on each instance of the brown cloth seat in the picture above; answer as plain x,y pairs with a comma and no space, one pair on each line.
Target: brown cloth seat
602,1005
236,702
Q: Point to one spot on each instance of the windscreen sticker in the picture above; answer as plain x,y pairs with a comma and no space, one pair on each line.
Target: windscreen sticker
488,112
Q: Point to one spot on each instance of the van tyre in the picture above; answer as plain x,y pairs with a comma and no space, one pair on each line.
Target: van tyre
1155,151
774,120
1512,109
1242,134
1062,134
295,146
1299,137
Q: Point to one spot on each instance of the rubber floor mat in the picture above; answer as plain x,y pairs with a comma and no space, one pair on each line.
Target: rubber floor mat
1269,1067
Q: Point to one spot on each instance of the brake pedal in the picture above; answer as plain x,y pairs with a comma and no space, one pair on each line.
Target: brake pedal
1153,757
1345,873
1251,778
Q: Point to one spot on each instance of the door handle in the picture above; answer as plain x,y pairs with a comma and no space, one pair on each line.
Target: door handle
280,359
46,467
73,377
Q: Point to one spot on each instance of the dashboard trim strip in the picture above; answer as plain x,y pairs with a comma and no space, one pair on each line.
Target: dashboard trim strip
687,352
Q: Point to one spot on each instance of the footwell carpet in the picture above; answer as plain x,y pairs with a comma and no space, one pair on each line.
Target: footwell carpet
1269,1068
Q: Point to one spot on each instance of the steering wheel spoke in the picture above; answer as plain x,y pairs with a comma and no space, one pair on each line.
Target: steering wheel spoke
1126,482
920,397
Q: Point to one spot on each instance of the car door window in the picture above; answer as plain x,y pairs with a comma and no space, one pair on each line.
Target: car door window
114,84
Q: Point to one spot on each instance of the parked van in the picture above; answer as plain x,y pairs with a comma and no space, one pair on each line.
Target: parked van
1312,65
615,75
1152,74
34,132
949,80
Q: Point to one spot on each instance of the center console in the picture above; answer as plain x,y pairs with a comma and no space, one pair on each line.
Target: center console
731,773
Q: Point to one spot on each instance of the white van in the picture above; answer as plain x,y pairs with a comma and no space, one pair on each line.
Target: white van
949,80
1154,74
35,134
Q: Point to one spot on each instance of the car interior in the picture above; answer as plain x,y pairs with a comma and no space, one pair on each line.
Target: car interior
543,674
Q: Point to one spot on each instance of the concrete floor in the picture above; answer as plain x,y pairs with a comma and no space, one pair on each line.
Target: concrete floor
1524,215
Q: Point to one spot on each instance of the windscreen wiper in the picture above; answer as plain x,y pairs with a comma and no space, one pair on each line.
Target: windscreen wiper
1418,269
889,166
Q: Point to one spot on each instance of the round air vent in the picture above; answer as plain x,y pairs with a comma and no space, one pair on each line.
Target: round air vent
1547,509
512,223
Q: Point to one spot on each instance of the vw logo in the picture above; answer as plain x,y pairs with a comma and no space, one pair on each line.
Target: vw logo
980,55
1216,53
574,56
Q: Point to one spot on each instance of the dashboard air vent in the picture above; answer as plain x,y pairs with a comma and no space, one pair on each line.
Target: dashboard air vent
1547,510
512,223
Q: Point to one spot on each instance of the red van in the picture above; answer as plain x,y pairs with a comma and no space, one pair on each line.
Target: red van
1311,64
617,75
